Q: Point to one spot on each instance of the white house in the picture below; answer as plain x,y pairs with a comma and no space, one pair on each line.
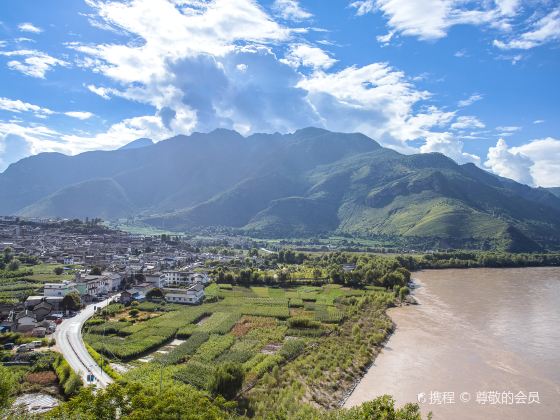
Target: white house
185,278
177,278
114,281
156,279
59,289
192,295
92,285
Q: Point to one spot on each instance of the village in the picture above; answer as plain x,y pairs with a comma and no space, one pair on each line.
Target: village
97,263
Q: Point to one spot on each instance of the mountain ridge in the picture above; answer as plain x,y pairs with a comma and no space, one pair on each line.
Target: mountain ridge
310,182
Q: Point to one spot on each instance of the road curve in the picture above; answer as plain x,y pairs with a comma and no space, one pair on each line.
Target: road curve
68,336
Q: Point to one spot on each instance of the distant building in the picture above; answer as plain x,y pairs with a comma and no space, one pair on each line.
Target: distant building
193,295
59,289
185,278
156,279
24,321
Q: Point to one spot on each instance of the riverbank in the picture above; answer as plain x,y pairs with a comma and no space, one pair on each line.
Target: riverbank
476,331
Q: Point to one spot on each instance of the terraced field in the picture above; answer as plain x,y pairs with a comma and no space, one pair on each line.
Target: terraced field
28,280
261,328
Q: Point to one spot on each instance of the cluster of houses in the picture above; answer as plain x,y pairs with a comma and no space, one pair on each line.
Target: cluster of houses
178,287
39,315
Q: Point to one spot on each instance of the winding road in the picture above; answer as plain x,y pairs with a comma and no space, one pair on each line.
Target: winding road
68,336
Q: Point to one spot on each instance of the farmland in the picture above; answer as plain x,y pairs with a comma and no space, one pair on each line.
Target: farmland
28,279
314,341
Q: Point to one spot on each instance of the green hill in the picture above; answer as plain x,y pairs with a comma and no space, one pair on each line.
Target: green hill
271,185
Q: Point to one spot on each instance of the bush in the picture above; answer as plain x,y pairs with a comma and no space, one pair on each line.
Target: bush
227,380
101,361
292,349
67,378
303,323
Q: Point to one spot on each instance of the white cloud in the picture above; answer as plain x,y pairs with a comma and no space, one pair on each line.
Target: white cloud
470,100
431,19
80,115
203,65
466,122
35,63
544,30
105,93
308,56
534,163
290,10
538,121
29,27
20,106
448,145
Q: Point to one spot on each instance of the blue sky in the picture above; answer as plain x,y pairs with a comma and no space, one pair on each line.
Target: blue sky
476,80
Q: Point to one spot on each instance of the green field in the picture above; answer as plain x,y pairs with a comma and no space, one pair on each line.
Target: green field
268,330
28,280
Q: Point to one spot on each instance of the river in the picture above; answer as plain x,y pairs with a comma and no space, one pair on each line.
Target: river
481,344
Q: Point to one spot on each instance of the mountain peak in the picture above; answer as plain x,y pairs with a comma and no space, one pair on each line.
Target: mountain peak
137,144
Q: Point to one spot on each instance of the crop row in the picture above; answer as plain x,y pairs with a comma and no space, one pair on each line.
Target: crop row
195,373
220,322
183,350
215,346
134,345
270,311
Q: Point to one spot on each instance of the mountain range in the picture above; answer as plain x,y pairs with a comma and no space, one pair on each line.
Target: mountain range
287,185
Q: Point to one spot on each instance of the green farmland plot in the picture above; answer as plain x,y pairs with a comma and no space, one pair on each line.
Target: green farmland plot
263,330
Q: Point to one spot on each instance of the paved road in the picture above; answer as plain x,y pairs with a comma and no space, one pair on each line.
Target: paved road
68,336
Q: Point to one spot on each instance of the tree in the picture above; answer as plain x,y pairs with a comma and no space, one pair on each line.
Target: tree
7,385
227,380
136,401
13,265
155,293
381,408
58,271
71,302
95,271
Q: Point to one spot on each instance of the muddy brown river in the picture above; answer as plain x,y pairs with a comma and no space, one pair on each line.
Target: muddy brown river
481,344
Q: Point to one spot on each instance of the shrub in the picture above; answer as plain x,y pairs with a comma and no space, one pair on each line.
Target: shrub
297,322
196,373
292,349
227,380
67,378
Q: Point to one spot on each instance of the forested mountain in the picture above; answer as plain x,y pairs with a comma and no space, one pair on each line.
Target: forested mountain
306,183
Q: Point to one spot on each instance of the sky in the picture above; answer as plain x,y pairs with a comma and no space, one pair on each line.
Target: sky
476,80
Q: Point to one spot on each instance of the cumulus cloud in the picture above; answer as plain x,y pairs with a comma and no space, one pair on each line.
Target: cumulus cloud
308,56
80,115
227,63
448,145
534,163
290,10
34,63
544,30
29,27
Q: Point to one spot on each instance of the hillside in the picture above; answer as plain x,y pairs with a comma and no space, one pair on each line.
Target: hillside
271,185
555,191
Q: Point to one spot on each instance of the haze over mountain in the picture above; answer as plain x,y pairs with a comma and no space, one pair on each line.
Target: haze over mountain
306,183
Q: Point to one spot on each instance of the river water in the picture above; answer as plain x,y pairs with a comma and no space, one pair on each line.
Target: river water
481,344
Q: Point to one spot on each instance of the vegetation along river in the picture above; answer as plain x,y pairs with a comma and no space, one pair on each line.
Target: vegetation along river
481,344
